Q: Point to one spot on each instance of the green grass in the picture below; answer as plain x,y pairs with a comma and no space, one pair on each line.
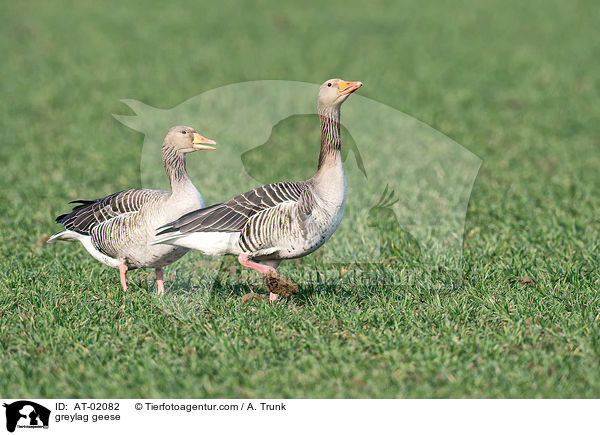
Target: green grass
517,83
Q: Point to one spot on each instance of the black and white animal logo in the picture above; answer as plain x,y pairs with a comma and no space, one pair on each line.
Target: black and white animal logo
26,414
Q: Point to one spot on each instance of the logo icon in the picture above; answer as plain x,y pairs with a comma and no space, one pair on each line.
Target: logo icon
26,414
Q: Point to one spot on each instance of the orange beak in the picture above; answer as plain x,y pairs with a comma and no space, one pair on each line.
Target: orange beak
199,142
348,87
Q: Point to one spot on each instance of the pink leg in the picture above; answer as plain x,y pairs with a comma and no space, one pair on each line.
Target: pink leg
262,268
159,280
123,273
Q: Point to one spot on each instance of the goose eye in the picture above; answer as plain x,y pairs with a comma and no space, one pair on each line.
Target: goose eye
183,132
329,84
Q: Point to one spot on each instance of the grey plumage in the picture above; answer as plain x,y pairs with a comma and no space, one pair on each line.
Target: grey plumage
281,220
118,228
261,215
234,214
90,214
116,222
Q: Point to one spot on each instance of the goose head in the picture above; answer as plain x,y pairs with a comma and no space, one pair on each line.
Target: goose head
184,139
334,92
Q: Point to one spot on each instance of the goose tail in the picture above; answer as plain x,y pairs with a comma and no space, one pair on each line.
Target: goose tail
66,235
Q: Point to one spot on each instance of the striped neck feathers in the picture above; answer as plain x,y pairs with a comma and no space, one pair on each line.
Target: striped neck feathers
331,143
174,164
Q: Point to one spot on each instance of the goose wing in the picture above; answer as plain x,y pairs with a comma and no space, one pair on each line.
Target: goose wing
89,214
233,215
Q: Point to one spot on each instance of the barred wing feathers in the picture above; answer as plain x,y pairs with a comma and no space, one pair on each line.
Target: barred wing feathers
92,213
233,215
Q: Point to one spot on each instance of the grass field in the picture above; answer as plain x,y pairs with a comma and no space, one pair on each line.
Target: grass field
516,83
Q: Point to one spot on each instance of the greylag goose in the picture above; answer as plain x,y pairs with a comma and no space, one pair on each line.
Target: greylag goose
116,230
276,221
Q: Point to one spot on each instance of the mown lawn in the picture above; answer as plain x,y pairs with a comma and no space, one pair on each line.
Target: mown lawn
516,83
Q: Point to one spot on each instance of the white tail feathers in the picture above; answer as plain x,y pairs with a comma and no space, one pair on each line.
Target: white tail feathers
86,241
66,235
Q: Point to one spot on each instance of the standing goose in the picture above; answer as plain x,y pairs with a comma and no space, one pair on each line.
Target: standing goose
281,220
116,230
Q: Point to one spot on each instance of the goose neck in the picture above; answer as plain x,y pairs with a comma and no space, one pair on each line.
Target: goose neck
174,163
331,143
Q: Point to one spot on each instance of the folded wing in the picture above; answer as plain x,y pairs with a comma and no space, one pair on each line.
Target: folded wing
92,213
233,215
